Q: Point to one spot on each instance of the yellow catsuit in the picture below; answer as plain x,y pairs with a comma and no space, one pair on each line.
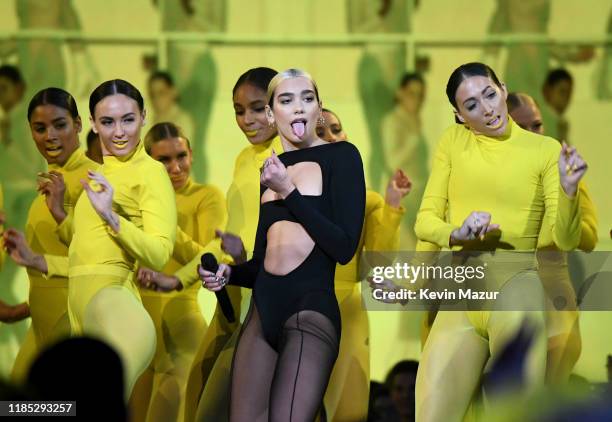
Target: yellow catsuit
179,324
514,177
49,295
346,398
217,347
103,299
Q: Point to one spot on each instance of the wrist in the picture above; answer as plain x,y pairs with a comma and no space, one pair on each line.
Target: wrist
39,263
286,191
178,286
393,202
570,189
454,240
59,215
112,220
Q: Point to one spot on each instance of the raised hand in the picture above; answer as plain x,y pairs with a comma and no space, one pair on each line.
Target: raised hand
215,281
232,245
18,249
53,187
571,169
157,281
475,226
274,175
398,187
100,194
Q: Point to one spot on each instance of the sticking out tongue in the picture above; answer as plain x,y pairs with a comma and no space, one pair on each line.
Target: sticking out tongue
298,128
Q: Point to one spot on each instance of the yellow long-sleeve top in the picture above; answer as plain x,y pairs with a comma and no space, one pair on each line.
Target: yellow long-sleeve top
144,200
588,223
242,203
514,177
380,233
41,230
200,211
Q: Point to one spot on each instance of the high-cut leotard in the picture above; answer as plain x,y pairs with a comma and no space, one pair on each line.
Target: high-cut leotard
333,220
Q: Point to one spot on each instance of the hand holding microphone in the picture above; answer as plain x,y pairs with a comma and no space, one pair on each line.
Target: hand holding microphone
214,278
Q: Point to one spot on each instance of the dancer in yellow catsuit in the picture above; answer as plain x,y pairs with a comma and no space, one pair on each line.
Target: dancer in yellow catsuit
126,216
506,181
180,326
564,343
346,398
208,387
55,124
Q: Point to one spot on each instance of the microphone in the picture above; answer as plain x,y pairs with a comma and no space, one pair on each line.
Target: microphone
209,263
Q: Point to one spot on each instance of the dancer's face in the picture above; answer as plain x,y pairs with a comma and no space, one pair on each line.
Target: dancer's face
163,96
411,97
559,95
528,116
481,104
117,120
250,109
175,155
295,110
55,132
331,129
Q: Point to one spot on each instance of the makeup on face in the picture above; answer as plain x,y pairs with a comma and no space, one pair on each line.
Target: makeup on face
250,109
118,122
55,132
482,105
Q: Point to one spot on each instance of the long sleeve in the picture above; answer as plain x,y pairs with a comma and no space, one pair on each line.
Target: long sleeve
152,246
565,211
57,266
382,227
185,248
211,215
244,274
588,225
338,236
431,224
65,229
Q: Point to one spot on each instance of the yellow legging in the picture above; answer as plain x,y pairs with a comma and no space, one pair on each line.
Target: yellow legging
50,323
213,347
108,307
462,345
346,398
159,394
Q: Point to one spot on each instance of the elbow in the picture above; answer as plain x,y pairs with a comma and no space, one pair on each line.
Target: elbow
419,229
346,253
588,244
161,258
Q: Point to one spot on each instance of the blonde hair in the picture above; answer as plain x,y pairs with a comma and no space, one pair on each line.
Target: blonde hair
289,74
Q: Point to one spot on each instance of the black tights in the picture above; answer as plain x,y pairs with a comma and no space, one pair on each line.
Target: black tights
287,385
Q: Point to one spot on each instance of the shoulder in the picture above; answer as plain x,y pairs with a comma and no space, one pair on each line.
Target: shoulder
345,152
209,193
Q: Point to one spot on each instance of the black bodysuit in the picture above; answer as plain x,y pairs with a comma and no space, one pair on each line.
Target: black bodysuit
333,220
